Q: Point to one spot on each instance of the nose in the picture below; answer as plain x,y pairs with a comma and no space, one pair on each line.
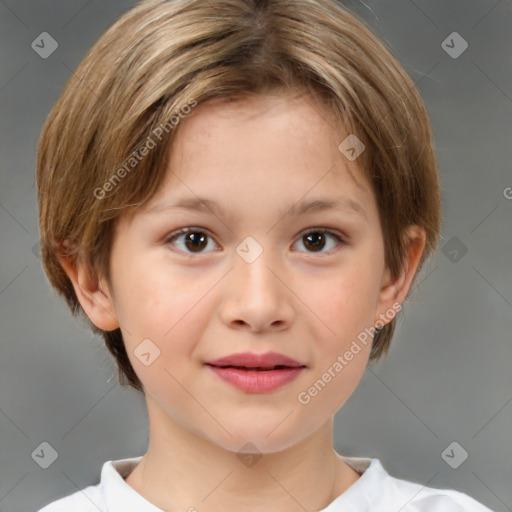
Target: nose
256,297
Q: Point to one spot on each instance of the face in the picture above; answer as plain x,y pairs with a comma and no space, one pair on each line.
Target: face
285,254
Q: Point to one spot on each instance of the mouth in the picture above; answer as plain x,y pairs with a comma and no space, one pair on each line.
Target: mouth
256,373
253,361
256,368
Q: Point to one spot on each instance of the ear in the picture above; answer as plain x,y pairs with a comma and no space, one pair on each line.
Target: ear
92,292
394,291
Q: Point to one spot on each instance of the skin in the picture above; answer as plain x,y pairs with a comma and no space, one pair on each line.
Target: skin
256,157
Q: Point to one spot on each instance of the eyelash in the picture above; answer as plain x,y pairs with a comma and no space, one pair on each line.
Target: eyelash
338,237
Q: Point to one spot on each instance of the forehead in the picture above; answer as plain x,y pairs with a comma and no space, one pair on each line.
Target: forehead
274,149
280,120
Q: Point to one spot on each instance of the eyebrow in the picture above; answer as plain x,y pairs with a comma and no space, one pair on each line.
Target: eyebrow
299,208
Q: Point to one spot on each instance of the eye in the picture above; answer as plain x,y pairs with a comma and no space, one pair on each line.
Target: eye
316,240
191,240
196,240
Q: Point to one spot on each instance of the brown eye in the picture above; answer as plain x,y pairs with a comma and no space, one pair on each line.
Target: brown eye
191,240
319,239
314,241
195,241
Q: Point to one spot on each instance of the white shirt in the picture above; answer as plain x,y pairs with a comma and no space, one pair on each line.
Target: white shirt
374,491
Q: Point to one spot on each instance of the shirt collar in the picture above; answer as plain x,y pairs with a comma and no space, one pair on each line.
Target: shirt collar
368,490
119,496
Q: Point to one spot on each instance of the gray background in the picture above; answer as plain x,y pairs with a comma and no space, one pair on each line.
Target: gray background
448,377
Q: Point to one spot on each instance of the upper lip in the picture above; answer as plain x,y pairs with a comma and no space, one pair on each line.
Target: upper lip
252,360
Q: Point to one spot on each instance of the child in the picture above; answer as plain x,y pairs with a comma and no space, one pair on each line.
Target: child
239,194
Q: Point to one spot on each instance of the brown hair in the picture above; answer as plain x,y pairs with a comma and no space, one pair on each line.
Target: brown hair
165,54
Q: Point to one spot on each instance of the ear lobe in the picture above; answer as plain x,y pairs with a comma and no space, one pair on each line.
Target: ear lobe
92,293
394,291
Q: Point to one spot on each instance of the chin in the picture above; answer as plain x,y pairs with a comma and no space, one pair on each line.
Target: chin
259,437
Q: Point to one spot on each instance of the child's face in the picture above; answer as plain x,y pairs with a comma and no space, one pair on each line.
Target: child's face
198,299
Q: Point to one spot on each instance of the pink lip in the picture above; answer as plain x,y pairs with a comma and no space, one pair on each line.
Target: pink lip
253,372
252,360
257,381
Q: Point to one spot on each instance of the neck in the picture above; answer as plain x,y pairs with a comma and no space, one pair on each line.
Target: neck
183,471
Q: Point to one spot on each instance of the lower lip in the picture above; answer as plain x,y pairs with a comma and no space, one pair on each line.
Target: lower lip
257,381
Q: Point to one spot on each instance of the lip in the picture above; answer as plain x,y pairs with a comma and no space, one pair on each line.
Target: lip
253,360
255,373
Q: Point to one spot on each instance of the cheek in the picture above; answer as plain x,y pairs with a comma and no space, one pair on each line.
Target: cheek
345,302
331,387
155,299
171,312
343,342
345,299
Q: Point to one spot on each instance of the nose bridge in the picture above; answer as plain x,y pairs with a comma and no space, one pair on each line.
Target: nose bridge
252,268
255,296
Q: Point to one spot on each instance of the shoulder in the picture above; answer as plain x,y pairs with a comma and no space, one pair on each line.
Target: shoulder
112,492
381,491
86,500
431,499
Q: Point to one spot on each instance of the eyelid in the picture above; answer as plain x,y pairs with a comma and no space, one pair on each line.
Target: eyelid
330,231
188,229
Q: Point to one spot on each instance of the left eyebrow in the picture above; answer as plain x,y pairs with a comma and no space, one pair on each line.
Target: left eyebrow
208,205
338,203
